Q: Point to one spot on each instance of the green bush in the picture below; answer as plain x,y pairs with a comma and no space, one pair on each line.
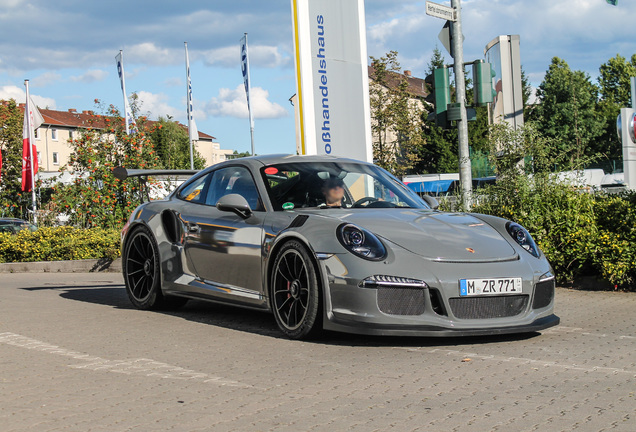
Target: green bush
582,233
60,243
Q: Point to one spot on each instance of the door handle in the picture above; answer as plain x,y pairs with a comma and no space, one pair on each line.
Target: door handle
193,228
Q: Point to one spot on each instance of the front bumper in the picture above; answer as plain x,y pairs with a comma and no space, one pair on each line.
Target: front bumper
434,311
356,327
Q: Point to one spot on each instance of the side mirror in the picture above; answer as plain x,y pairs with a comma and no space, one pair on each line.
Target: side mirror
235,203
431,201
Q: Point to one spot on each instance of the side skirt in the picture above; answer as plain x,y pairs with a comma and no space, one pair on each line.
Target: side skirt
190,287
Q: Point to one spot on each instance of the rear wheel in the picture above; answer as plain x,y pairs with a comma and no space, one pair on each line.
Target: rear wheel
295,293
140,266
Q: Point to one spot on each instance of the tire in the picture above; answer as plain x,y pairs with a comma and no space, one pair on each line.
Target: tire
295,293
142,274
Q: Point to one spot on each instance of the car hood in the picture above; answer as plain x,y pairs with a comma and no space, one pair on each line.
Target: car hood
454,237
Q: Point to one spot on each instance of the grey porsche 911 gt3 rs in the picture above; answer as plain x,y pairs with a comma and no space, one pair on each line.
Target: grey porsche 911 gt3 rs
336,244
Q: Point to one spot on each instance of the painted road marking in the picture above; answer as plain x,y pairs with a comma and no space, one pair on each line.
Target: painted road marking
140,366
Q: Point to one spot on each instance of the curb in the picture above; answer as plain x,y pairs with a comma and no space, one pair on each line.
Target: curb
75,266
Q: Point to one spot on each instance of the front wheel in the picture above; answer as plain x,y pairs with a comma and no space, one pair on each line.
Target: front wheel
295,293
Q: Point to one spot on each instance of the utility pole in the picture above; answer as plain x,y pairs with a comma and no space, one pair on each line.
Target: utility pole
465,175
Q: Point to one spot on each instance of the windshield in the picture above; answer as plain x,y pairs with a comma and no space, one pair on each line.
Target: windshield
335,185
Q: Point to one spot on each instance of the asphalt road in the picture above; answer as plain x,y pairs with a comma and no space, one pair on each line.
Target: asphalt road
75,356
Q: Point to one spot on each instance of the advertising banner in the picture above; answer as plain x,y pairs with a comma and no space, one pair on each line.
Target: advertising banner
332,80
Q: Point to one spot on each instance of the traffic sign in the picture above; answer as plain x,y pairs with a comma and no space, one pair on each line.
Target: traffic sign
446,37
440,11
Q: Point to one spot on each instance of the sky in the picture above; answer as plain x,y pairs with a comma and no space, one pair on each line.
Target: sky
67,49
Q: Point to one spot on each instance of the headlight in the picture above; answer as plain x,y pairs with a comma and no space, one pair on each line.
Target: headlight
523,238
361,242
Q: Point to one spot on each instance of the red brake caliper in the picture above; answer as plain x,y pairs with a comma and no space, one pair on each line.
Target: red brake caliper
289,294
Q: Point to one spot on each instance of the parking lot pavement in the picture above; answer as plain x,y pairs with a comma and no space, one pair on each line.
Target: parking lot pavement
74,356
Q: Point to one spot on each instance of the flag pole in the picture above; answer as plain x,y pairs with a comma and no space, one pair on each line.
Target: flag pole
27,107
248,87
189,104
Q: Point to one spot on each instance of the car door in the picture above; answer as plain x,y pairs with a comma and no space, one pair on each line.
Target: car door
223,248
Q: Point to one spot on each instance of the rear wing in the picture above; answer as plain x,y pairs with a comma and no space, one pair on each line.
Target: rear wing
122,173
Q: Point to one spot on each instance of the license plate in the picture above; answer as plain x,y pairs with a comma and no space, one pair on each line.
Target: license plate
492,286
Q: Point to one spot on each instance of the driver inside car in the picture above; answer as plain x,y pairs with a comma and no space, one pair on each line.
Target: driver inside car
333,191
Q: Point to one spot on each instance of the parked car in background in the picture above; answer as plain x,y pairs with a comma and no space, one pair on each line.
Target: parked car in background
13,225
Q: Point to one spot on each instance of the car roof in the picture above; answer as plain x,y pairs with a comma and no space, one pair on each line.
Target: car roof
290,158
263,160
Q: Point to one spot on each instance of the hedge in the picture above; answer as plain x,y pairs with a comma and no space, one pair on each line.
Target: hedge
582,234
59,243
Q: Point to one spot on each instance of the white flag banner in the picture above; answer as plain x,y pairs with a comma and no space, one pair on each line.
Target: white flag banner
245,68
192,126
32,120
332,80
130,121
193,132
34,116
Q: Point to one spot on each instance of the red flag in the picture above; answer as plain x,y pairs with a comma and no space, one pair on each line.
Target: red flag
32,120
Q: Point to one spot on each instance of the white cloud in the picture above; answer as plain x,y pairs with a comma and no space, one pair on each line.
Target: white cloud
173,82
150,54
233,103
17,93
260,55
90,76
585,33
533,96
156,105
131,74
45,79
6,4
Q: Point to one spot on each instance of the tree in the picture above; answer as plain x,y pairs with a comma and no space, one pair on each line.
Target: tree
396,116
614,83
614,80
567,111
13,202
437,61
96,197
237,155
438,152
173,145
526,92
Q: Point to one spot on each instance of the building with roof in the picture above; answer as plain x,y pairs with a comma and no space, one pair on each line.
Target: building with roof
417,87
417,93
59,127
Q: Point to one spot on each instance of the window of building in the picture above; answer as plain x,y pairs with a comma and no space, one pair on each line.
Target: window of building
54,134
39,158
70,134
56,159
36,133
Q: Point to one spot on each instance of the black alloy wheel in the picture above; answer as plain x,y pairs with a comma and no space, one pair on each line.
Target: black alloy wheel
294,292
141,272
